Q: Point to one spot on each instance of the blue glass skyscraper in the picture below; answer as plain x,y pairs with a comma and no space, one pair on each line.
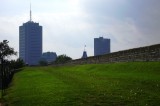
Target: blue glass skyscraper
101,46
30,42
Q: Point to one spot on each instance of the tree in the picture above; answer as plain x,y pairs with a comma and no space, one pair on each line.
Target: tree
19,63
5,51
16,64
61,59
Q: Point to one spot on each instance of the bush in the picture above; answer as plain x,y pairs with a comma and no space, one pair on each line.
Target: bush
15,64
43,62
61,59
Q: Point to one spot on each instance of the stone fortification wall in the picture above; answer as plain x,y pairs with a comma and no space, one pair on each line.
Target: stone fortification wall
148,53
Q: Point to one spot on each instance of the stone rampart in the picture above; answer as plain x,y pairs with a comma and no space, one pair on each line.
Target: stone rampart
148,53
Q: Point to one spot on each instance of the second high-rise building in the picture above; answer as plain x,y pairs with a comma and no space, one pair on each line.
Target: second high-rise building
101,46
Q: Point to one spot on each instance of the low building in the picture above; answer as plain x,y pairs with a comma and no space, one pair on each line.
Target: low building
49,56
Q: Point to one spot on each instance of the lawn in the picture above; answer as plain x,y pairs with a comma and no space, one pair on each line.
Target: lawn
117,84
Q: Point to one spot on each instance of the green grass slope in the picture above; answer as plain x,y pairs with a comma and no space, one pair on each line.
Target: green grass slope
119,84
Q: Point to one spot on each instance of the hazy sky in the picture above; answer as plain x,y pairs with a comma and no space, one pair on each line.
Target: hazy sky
68,25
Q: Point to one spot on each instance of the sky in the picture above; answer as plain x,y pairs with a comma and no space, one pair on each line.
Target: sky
68,25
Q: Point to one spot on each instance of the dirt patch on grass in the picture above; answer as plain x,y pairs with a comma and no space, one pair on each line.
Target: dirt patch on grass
3,102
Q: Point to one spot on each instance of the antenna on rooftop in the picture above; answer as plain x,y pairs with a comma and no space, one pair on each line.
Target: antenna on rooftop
84,47
30,12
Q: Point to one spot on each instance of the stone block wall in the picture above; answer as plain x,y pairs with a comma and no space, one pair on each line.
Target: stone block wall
148,53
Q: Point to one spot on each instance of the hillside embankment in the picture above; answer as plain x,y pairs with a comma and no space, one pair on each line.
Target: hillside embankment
118,84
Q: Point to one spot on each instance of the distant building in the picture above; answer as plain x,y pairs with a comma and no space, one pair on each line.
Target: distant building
49,56
30,42
101,46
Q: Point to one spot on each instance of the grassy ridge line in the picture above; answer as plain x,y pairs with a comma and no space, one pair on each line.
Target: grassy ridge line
102,84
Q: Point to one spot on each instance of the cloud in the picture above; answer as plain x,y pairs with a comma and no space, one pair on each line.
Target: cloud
147,18
62,29
131,23
68,25
9,31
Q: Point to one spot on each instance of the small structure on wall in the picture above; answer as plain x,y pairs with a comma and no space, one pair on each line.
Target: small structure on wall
84,53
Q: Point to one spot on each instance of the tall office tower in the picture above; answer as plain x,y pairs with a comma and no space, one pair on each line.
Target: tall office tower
30,42
101,46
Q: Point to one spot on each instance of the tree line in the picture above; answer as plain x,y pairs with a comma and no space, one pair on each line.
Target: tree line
61,59
7,68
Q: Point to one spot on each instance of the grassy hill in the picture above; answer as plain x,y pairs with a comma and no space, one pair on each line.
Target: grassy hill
119,84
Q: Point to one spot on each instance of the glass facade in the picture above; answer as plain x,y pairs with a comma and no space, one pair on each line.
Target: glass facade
30,42
101,46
